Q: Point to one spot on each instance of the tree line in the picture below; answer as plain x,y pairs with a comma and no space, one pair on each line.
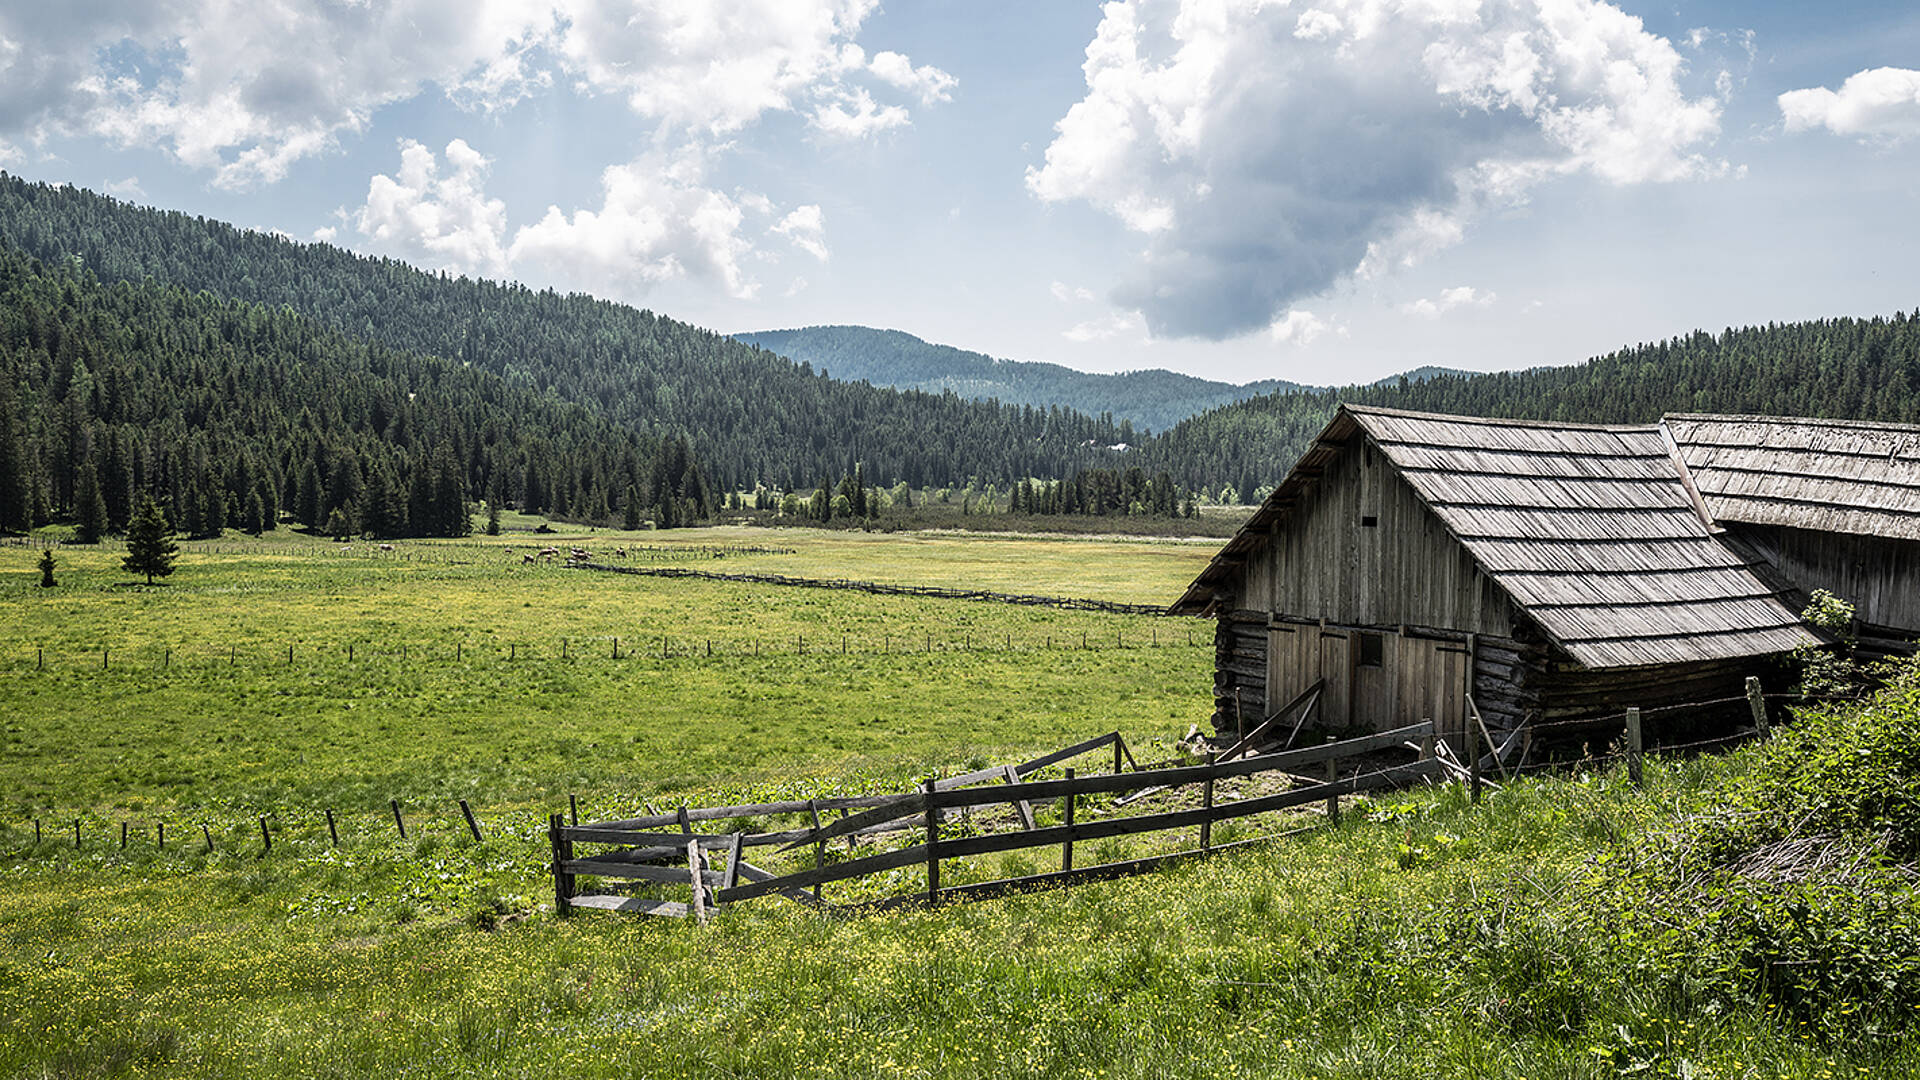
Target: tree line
229,413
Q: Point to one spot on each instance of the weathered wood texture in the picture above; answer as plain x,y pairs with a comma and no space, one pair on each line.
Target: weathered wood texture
1879,576
1832,476
1324,559
1588,533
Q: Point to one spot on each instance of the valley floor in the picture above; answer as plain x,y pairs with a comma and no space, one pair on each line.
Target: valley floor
1530,936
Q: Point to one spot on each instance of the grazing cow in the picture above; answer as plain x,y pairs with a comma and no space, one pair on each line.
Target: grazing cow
386,547
527,558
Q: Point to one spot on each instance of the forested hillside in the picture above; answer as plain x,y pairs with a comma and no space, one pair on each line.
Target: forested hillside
230,412
1864,369
1148,400
750,416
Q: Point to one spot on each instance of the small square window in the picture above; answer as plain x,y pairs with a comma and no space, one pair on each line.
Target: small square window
1372,651
1368,521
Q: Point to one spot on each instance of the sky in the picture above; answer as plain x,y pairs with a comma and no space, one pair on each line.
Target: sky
1326,191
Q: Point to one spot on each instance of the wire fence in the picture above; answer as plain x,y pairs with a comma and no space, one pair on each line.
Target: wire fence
604,648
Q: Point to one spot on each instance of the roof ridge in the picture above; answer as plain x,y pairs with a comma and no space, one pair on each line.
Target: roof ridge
1796,421
1497,421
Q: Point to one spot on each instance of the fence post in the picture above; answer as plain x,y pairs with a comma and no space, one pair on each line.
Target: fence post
472,825
694,868
1633,744
1473,758
573,808
266,838
933,846
398,821
819,845
333,831
562,855
1758,703
1116,753
208,833
159,834
1066,846
1206,803
123,836
1333,777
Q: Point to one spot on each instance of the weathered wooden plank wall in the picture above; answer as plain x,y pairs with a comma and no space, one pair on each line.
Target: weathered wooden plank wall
1362,550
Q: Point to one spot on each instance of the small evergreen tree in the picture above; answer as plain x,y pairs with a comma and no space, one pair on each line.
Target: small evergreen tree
493,518
46,568
150,546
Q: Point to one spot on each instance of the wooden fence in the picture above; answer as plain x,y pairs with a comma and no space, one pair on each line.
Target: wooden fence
714,870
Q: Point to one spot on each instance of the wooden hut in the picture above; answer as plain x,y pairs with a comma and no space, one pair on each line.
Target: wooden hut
1551,571
1818,504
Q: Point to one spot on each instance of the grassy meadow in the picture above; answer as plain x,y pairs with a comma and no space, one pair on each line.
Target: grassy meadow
1423,937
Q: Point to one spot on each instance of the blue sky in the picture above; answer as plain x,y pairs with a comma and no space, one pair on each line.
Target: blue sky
1319,190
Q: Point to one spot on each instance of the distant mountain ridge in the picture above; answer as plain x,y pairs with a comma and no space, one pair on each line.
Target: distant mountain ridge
1151,400
1154,399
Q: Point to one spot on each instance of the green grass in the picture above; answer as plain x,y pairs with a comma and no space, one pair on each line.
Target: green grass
1526,937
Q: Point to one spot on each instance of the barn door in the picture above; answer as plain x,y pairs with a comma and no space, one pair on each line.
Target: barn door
1433,684
1336,666
1293,663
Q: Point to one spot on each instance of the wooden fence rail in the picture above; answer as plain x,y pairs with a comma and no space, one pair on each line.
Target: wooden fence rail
643,850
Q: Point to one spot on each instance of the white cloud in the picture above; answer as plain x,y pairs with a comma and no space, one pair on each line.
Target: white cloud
806,227
1298,327
1108,326
1267,153
245,88
128,188
658,221
1449,299
853,114
1067,294
325,234
1879,103
928,83
443,218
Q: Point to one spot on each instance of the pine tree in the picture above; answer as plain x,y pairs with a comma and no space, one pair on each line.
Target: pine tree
493,518
633,509
150,546
89,509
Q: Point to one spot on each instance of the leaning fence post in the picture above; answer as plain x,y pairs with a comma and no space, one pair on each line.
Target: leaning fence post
562,855
1333,777
472,825
1066,846
1633,744
266,838
1758,703
398,821
694,872
208,833
1473,759
933,846
333,831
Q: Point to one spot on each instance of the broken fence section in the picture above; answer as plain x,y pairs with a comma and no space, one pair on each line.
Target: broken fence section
714,868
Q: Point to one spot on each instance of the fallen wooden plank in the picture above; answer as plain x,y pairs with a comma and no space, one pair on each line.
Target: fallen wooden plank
631,904
667,875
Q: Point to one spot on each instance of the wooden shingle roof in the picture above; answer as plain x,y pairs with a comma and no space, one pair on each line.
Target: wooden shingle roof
1843,476
1590,529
